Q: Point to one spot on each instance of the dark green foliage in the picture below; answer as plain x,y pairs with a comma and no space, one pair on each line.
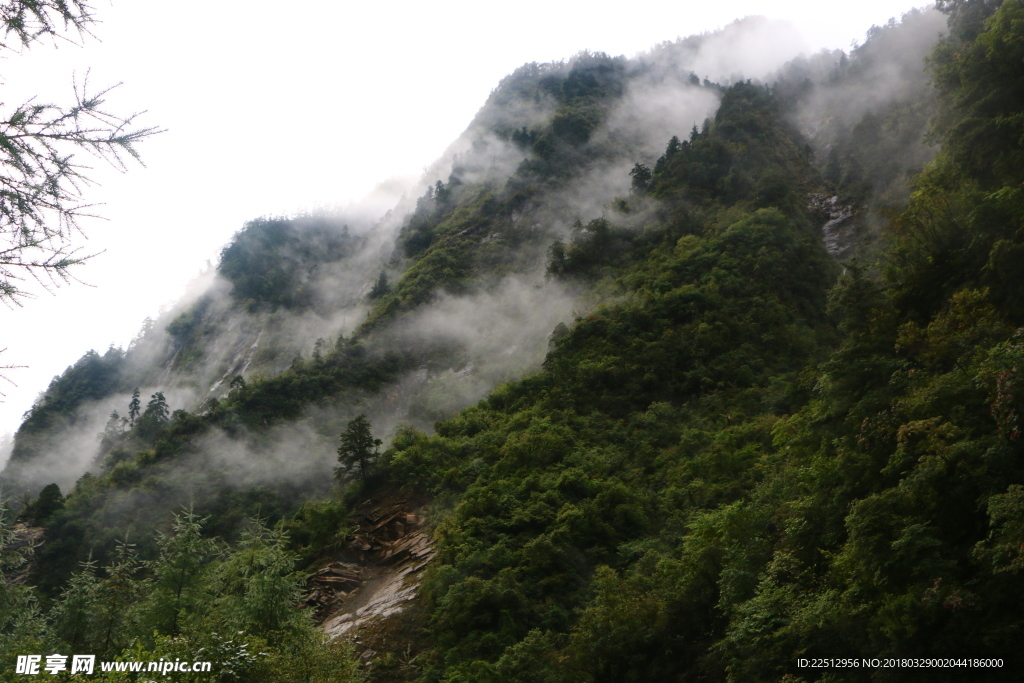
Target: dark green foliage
134,408
156,415
746,456
92,377
646,414
981,90
188,325
692,490
641,176
358,448
967,17
285,396
49,501
592,250
270,261
380,287
964,224
318,528
747,154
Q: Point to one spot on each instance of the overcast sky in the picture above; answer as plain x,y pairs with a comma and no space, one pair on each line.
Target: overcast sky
270,110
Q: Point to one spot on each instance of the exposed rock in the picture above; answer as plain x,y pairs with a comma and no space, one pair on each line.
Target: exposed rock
378,571
839,231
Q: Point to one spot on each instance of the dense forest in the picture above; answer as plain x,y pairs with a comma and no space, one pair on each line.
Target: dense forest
683,392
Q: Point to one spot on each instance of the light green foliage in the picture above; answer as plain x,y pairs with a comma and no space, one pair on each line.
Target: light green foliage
175,590
236,607
255,586
20,622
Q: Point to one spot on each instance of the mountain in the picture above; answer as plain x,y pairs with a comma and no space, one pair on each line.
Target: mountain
697,365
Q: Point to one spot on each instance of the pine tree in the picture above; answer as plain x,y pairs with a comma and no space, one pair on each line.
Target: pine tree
157,409
19,614
255,588
156,416
73,617
134,408
116,596
176,588
381,287
358,447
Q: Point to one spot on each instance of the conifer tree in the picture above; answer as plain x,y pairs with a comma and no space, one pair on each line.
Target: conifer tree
157,409
381,287
19,615
358,447
255,587
176,585
134,408
156,416
116,597
73,617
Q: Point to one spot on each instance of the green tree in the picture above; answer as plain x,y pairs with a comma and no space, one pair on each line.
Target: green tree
157,409
641,176
176,587
358,447
381,287
49,501
73,617
19,615
134,408
156,416
116,598
255,587
112,431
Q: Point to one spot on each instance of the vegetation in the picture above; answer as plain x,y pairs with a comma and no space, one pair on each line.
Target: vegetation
269,262
182,604
40,203
757,489
358,448
746,455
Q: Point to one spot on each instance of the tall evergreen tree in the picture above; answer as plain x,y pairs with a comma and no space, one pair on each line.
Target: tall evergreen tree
358,448
156,416
134,408
176,585
381,287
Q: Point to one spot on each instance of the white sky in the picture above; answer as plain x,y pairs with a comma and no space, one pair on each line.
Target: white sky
271,111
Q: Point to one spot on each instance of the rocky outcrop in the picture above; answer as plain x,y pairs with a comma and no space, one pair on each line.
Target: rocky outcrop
377,573
840,230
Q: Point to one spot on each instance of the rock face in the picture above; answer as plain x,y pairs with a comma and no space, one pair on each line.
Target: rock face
378,571
840,231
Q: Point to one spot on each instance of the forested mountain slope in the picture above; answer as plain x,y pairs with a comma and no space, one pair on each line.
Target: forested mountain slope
712,439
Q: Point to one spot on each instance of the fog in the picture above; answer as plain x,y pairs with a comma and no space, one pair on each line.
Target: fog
497,329
881,94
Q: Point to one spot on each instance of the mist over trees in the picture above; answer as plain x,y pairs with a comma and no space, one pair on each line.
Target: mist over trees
685,409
